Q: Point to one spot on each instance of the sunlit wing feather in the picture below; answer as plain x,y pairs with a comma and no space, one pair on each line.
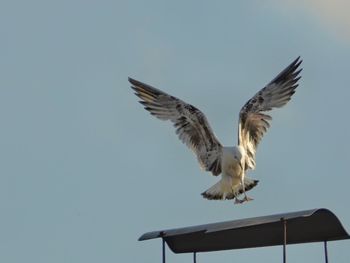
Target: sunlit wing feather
191,124
253,122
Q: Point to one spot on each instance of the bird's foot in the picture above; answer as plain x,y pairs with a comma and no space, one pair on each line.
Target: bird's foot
241,201
247,198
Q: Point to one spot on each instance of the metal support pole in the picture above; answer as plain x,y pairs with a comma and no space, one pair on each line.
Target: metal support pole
325,251
194,257
163,250
284,239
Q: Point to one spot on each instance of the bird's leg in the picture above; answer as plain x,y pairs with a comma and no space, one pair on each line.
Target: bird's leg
237,200
240,201
224,196
246,198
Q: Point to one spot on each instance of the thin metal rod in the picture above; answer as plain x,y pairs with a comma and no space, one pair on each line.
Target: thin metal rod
194,257
325,251
284,240
163,250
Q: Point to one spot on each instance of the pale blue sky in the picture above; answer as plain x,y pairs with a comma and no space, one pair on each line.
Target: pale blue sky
85,170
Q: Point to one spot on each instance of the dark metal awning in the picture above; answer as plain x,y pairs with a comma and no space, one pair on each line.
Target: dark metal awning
316,225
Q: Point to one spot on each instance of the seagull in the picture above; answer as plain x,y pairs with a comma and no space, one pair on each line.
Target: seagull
193,129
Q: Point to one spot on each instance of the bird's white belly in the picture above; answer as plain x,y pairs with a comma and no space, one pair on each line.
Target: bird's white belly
231,166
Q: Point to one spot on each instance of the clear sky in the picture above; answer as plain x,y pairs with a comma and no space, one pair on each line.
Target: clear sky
85,170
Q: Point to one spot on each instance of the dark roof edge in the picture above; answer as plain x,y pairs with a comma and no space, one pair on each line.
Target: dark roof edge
233,224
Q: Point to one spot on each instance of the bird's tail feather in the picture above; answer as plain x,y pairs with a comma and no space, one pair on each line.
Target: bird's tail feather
219,191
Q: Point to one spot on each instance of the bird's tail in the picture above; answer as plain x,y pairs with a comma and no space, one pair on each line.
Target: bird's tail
223,190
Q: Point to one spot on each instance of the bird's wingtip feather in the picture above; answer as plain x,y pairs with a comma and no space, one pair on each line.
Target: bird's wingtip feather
132,81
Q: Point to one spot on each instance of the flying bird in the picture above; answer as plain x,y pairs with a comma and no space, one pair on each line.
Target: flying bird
193,129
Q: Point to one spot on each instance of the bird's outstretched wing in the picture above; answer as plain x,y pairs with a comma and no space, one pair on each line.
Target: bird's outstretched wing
191,124
253,122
